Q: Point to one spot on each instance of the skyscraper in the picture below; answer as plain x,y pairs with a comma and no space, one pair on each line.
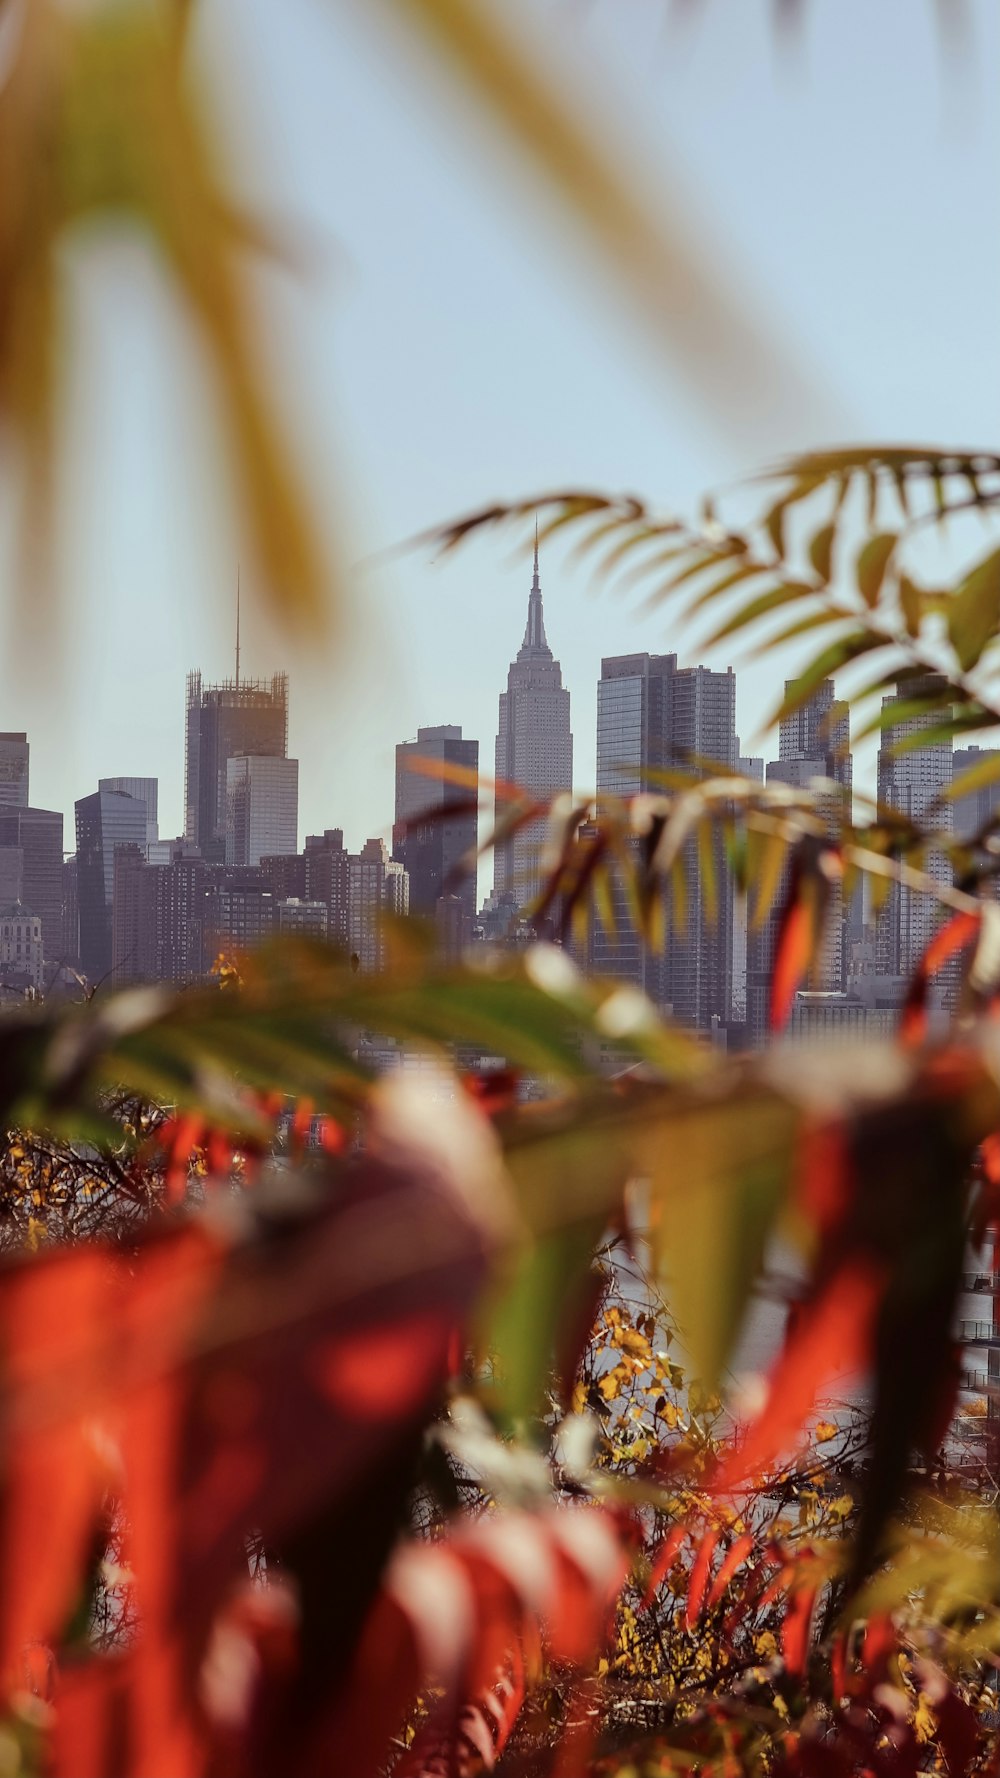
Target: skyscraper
328,880
376,885
911,782
13,771
158,917
262,808
652,714
238,716
534,747
37,834
104,821
145,790
431,850
972,811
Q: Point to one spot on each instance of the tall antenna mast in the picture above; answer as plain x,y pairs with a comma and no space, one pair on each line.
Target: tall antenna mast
237,626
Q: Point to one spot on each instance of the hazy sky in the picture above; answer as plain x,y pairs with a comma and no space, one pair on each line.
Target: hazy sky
454,344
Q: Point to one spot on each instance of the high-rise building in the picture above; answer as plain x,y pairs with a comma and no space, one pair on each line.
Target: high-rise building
652,714
432,850
285,875
813,745
302,919
104,821
972,812
145,790
534,748
37,834
376,885
262,808
913,782
328,880
239,912
159,917
13,771
238,716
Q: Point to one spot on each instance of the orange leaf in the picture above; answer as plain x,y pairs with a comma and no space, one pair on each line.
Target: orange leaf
791,960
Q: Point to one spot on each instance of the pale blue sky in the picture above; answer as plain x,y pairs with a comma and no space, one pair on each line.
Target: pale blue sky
457,345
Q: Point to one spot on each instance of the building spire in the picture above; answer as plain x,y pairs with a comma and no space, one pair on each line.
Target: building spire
237,626
535,641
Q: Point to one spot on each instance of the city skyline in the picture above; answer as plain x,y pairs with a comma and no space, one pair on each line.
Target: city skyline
135,905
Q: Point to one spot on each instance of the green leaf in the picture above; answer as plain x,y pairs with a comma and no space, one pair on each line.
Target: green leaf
911,604
838,654
528,1323
821,552
974,611
771,600
718,1176
766,856
985,771
872,563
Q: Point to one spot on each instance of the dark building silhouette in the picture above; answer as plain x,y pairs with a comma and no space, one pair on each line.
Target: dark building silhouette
285,876
104,821
431,850
238,717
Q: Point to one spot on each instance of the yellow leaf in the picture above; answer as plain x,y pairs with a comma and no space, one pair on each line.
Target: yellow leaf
825,1429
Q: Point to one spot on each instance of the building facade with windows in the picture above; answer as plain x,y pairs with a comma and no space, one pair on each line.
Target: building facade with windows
237,716
14,756
914,782
653,715
262,808
433,849
145,790
104,821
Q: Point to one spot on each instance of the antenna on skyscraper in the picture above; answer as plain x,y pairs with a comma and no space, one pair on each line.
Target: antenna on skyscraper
536,543
237,626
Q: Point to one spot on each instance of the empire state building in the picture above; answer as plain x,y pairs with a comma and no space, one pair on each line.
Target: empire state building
534,747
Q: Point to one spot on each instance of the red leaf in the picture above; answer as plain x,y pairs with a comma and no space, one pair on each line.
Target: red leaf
958,932
735,1556
833,1334
665,1559
816,865
878,1647
797,1627
700,1570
